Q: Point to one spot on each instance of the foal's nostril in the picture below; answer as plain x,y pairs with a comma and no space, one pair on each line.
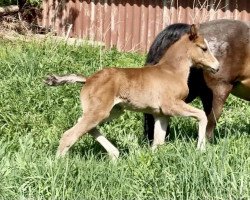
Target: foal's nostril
214,70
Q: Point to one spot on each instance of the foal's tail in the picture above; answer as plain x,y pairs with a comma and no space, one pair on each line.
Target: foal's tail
54,80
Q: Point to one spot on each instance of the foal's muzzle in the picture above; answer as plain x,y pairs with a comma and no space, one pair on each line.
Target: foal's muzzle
213,70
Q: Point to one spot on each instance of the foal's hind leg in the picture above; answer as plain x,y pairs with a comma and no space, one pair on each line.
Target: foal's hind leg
107,145
182,109
86,123
93,116
160,127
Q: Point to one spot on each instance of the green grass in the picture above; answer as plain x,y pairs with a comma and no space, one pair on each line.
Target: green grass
33,116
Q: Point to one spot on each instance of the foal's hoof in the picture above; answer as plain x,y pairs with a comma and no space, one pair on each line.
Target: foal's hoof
60,154
114,155
154,148
201,148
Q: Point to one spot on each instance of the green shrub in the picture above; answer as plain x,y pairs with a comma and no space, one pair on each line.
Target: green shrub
8,2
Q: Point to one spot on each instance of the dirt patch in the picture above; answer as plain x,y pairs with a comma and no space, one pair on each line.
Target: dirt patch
23,22
10,25
13,27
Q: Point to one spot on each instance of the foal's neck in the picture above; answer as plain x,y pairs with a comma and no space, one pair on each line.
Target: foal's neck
177,60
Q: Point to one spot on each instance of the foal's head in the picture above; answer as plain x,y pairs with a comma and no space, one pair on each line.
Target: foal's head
199,52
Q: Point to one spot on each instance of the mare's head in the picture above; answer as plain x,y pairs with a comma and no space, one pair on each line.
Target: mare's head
199,52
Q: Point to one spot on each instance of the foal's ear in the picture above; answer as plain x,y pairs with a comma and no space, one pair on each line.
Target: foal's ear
193,34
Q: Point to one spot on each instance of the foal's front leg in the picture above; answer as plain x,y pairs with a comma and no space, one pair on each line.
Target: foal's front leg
160,127
182,109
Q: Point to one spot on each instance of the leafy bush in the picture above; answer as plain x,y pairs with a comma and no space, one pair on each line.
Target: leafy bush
8,2
35,2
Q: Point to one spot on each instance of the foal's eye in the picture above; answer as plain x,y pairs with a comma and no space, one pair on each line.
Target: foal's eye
204,49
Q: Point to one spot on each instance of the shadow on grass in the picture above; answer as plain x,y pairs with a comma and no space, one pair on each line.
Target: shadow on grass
94,148
190,132
183,131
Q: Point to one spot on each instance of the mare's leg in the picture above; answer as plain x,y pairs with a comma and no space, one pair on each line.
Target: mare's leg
182,109
149,122
213,100
160,127
242,89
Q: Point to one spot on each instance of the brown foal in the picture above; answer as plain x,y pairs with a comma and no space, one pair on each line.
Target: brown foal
159,90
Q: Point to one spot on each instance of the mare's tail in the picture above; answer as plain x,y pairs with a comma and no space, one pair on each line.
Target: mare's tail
55,80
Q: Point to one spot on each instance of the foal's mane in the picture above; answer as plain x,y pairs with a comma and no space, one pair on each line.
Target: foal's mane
164,40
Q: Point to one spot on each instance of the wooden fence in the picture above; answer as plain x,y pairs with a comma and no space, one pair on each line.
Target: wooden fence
132,25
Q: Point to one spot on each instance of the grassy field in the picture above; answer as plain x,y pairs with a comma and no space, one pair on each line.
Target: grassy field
33,116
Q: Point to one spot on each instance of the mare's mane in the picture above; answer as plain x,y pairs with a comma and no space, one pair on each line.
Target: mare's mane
164,40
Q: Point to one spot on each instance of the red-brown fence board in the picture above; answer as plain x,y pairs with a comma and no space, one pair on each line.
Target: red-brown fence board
133,24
